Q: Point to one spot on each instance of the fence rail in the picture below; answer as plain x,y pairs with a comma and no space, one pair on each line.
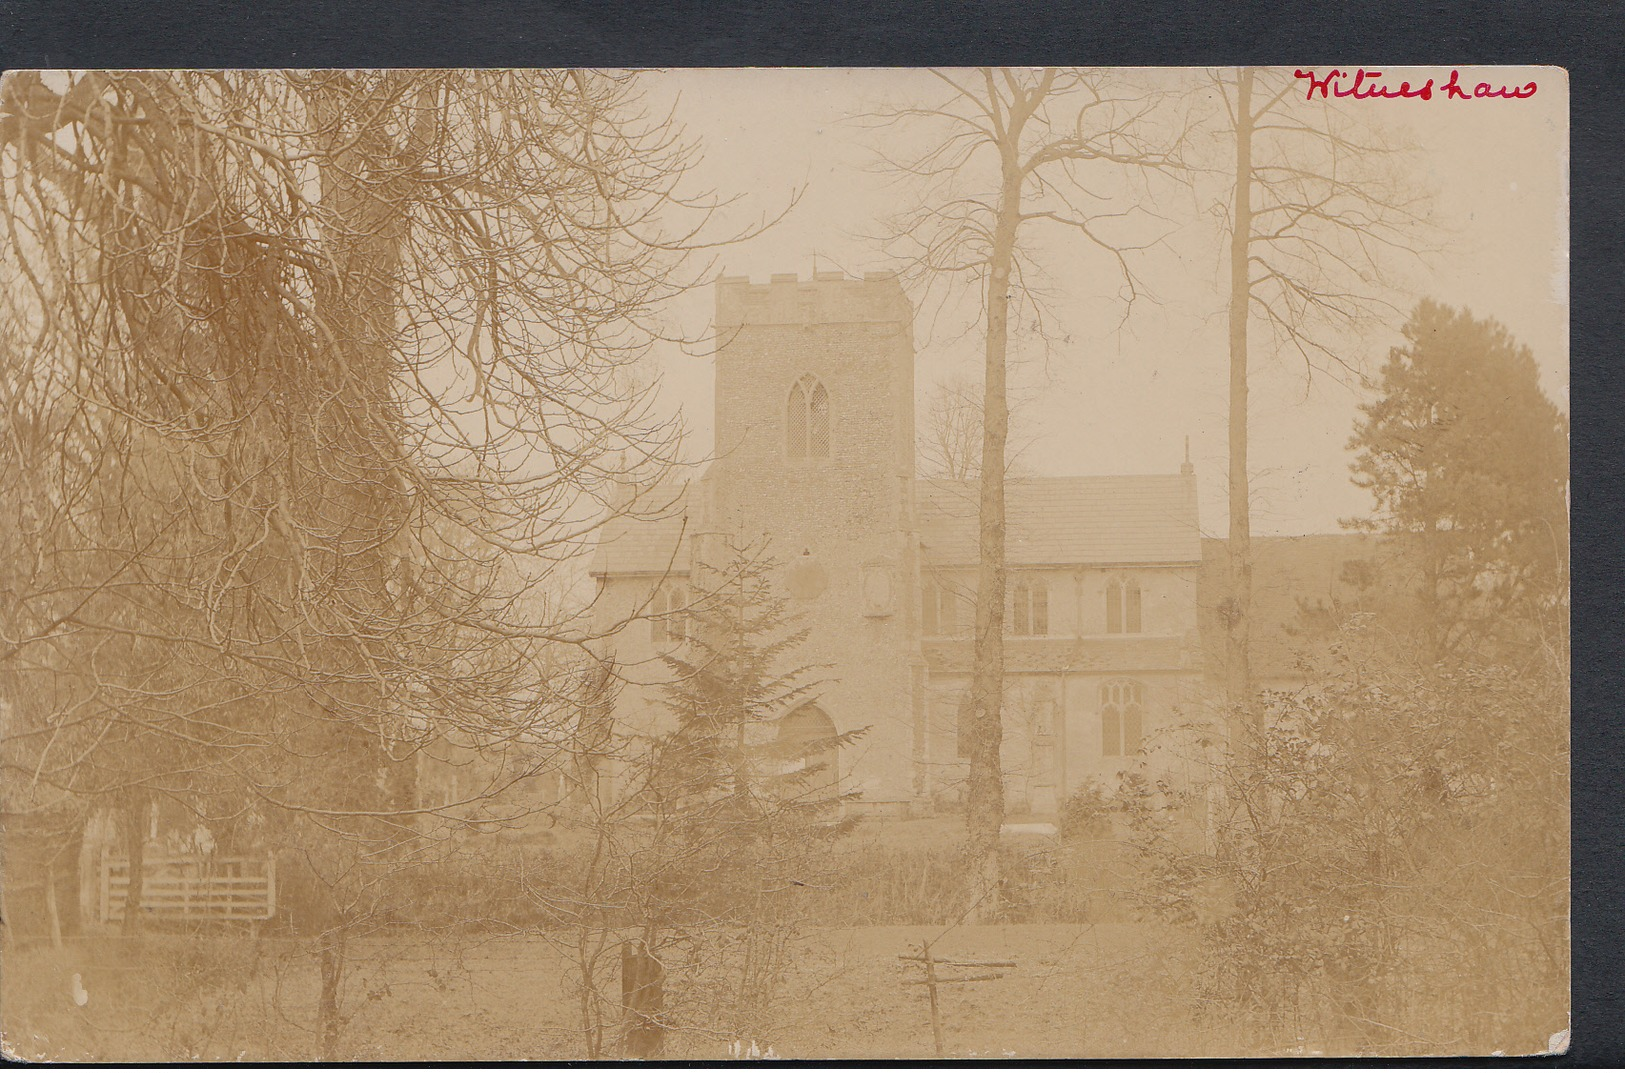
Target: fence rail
192,887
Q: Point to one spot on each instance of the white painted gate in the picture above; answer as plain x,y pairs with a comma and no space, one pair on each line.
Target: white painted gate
193,887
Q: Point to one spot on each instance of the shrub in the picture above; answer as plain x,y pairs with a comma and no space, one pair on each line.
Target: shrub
1086,814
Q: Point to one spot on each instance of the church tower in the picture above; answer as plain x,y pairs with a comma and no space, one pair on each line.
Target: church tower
815,456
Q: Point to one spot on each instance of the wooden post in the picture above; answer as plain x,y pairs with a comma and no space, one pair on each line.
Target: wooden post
928,962
106,909
332,970
643,996
931,989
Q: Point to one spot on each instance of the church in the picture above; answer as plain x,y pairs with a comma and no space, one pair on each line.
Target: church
1110,629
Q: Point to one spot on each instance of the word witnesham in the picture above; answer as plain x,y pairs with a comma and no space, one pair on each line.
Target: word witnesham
1364,86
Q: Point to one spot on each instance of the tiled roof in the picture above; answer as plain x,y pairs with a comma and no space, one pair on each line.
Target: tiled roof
649,537
1142,519
1137,519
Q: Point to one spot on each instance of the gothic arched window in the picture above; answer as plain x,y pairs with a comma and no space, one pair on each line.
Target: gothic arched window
806,419
1122,711
939,610
666,610
1030,608
1123,606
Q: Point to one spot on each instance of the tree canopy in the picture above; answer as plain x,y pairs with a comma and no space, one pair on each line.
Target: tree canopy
1467,460
317,378
315,384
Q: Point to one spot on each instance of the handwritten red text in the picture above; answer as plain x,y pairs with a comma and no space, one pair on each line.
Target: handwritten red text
1361,85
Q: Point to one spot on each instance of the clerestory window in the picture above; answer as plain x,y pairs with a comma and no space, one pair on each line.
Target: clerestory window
1122,606
1029,608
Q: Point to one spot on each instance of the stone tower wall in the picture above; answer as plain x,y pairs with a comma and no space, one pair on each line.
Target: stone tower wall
842,526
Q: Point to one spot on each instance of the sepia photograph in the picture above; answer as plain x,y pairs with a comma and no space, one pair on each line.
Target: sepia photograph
735,564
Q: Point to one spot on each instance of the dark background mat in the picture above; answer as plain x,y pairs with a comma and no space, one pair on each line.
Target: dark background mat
614,33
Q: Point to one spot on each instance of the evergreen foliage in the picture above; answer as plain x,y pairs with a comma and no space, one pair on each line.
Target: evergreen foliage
1467,462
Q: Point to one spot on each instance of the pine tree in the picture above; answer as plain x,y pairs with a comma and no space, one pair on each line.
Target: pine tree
1467,460
737,678
754,806
725,826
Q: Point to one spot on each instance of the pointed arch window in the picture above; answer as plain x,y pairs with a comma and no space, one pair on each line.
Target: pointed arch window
939,609
1123,604
1122,717
806,419
1030,608
666,611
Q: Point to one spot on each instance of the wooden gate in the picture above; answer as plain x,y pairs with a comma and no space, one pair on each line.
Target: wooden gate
192,887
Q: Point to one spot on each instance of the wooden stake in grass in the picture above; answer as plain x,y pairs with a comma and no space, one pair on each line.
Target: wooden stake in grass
931,981
931,986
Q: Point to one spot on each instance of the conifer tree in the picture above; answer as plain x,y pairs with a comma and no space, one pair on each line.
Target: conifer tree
1467,461
732,777
698,869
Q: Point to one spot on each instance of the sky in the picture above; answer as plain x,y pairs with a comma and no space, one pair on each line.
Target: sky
1113,395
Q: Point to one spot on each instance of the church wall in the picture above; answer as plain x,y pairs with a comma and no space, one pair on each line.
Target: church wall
1053,741
1167,595
1077,597
1170,700
640,707
840,523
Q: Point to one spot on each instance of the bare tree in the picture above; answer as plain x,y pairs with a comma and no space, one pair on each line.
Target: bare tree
1317,214
951,435
1005,153
950,440
330,373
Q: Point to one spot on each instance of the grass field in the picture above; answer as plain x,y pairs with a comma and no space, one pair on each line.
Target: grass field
1076,991
1102,989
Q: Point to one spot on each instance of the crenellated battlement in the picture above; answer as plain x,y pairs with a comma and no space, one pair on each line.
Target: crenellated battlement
826,298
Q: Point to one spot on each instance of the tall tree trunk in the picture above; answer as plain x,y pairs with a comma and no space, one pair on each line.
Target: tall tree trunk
984,806
328,1014
359,430
1432,569
1238,670
353,420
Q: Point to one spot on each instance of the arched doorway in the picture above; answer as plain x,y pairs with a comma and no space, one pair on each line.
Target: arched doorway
806,743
